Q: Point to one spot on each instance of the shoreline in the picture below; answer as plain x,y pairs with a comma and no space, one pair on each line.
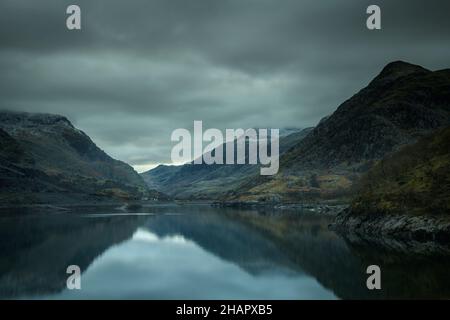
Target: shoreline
421,228
319,207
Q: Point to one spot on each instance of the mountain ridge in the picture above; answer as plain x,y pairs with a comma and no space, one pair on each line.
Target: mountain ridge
402,103
207,182
45,159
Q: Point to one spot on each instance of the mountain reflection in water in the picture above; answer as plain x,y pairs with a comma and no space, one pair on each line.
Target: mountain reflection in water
199,252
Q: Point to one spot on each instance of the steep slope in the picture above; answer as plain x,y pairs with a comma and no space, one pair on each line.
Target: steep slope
204,181
414,180
402,103
406,193
44,158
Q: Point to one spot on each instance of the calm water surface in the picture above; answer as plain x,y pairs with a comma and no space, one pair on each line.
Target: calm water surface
198,252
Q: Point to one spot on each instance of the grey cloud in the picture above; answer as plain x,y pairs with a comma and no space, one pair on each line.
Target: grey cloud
139,69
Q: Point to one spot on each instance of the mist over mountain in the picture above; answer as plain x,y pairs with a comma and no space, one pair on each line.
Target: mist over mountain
45,159
401,104
202,181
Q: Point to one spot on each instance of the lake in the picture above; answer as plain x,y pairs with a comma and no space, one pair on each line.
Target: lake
199,252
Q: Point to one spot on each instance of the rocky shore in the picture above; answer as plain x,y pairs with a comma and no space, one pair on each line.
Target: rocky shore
397,226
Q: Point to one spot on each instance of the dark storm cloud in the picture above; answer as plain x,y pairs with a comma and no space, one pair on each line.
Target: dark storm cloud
139,69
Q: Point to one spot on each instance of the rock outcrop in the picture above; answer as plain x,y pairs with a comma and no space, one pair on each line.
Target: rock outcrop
405,195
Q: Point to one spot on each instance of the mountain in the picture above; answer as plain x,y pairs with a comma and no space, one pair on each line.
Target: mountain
407,193
401,104
45,159
202,181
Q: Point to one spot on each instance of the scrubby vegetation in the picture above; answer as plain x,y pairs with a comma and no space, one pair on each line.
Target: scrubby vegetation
415,180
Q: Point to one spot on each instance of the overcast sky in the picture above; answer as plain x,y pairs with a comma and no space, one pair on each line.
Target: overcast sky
139,69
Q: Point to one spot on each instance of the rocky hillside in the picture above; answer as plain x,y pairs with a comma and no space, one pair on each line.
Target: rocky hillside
202,181
414,180
401,104
408,193
45,159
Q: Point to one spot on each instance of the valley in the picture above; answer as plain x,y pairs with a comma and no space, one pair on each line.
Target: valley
401,104
382,155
